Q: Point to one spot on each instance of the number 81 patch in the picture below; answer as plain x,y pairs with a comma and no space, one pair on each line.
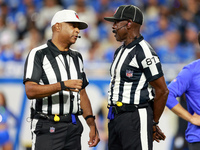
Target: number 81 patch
149,61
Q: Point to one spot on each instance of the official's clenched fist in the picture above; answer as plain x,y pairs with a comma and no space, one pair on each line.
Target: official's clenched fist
73,85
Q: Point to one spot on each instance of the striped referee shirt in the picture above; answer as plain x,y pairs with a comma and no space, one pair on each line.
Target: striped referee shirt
133,67
47,65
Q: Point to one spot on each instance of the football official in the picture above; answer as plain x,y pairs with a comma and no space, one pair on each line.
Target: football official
55,81
137,92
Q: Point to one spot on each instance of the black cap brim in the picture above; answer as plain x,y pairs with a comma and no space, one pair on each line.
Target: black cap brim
112,19
83,25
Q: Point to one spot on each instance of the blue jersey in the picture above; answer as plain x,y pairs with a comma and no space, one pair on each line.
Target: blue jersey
188,82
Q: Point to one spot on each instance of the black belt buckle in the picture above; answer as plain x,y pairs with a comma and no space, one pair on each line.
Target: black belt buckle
44,116
41,115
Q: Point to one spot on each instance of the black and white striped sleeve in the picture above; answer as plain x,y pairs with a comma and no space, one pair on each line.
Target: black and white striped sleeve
83,75
149,61
33,67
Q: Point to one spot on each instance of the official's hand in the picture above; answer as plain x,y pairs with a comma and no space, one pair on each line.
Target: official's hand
158,134
94,137
195,119
73,85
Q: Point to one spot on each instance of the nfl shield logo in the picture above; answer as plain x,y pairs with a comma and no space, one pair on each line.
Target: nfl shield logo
52,130
129,73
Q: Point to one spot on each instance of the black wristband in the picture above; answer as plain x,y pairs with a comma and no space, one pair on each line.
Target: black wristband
89,116
155,123
63,87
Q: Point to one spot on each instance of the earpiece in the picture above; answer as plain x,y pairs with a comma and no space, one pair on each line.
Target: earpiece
129,23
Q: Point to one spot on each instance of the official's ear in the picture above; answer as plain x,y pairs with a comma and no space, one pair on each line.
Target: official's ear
129,24
57,27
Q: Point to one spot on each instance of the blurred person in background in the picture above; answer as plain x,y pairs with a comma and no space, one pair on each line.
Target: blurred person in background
191,33
5,141
8,37
9,13
46,13
191,13
187,82
152,9
157,38
55,81
172,50
29,35
106,9
32,38
135,73
26,18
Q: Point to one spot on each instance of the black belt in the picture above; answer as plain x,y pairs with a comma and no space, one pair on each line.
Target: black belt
128,108
63,118
55,118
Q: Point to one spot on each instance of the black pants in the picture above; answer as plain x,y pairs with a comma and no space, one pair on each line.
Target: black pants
131,130
50,135
194,146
